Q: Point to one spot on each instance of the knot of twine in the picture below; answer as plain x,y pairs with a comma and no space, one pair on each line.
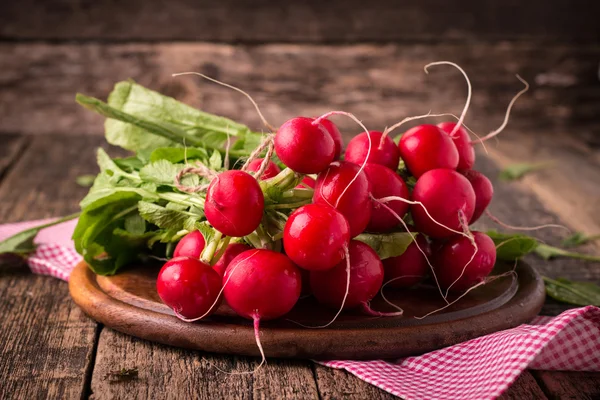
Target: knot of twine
267,143
201,170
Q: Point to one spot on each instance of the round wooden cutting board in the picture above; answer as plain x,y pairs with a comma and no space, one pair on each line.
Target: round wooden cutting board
128,303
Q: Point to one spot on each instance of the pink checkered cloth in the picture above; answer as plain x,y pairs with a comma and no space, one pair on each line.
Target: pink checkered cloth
481,368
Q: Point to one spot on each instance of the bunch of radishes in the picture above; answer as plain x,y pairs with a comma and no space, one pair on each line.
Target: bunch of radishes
365,192
313,227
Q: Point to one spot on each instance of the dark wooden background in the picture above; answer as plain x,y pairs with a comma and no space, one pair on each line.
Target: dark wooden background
314,56
294,58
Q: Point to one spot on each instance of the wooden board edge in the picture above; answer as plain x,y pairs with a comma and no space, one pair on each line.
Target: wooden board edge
293,343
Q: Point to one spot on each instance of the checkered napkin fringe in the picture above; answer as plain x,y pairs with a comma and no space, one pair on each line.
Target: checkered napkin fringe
480,368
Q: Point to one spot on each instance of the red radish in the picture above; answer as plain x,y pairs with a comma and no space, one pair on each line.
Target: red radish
383,152
231,252
191,245
315,237
443,194
234,203
384,183
484,191
410,267
346,188
307,183
427,147
262,284
304,146
271,171
335,135
452,265
366,277
189,286
462,141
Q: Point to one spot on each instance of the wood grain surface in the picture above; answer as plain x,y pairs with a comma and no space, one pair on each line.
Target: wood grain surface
569,385
46,342
524,388
170,373
334,384
39,182
12,146
306,21
381,84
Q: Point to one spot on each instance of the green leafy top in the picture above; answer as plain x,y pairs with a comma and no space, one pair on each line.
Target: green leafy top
511,247
142,120
578,239
145,104
517,171
572,292
387,245
22,242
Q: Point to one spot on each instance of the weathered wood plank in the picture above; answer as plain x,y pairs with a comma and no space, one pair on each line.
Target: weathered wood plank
170,373
381,84
569,385
524,388
570,187
516,205
46,342
338,384
42,183
11,147
309,21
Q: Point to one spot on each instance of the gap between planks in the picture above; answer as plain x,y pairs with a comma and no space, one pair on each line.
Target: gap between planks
86,391
47,342
13,147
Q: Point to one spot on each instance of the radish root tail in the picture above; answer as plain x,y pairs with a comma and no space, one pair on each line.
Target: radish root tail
382,203
181,317
523,228
347,256
362,167
467,103
260,114
464,225
256,325
483,282
392,198
366,308
387,131
390,281
506,116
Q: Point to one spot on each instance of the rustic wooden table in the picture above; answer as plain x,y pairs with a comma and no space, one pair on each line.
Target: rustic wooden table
50,349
